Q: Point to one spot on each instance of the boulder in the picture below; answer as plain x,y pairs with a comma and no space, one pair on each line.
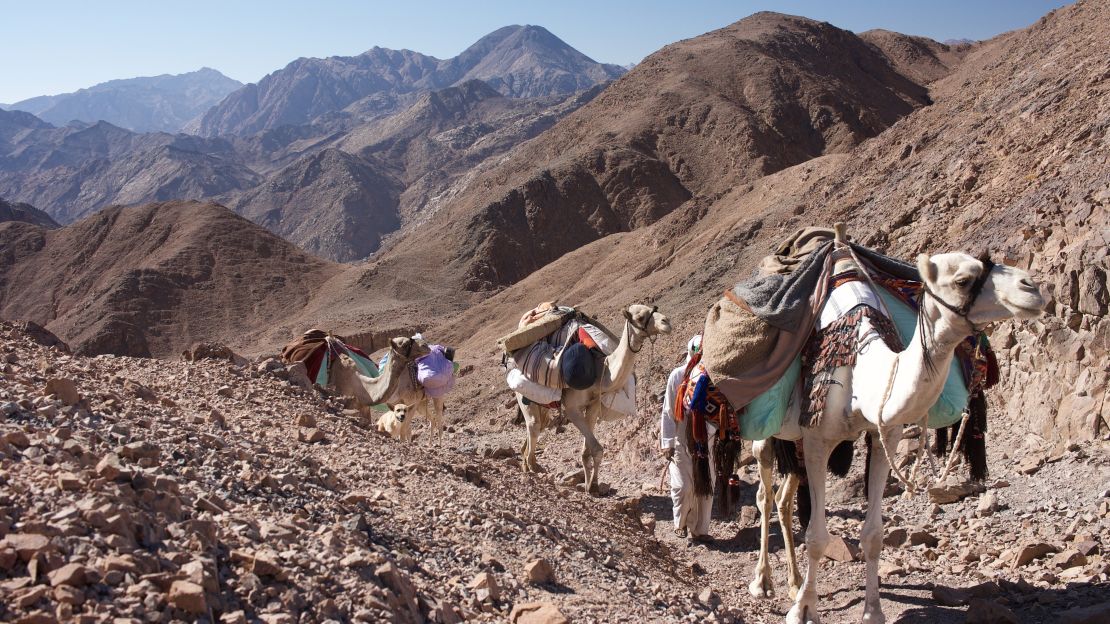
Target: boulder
485,587
64,389
1031,551
537,613
539,572
840,549
980,611
189,597
73,574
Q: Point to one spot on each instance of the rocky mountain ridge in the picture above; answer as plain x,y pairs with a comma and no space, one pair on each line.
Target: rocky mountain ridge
163,103
518,61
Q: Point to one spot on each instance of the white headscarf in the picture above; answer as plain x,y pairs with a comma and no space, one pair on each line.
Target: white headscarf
693,347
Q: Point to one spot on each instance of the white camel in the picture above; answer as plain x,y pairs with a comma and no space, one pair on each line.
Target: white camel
962,295
396,385
583,408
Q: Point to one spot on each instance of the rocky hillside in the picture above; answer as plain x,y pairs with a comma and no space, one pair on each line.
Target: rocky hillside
521,61
918,58
151,280
27,214
150,104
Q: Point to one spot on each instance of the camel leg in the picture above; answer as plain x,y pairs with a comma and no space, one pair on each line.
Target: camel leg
532,424
871,536
786,521
762,585
591,448
817,451
437,405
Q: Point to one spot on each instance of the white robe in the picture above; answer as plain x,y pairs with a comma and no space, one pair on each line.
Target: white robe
690,511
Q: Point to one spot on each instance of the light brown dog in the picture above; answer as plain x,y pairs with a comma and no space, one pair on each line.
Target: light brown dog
396,424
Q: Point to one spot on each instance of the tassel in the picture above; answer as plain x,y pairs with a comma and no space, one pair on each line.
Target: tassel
974,444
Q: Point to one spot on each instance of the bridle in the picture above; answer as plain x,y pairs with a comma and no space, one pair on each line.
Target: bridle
643,329
976,290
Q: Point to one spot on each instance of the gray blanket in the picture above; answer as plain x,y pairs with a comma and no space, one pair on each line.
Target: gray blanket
781,299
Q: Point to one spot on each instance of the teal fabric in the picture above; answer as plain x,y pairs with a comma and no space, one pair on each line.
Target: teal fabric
365,366
953,399
762,418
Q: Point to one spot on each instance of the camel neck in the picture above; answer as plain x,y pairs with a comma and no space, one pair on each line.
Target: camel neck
619,364
921,370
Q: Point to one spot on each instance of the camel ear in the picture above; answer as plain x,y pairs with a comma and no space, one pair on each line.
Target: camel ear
628,316
927,268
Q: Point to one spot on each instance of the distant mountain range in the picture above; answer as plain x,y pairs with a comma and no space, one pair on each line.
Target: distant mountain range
150,104
517,61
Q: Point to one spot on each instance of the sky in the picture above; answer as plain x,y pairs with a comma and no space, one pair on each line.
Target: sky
55,47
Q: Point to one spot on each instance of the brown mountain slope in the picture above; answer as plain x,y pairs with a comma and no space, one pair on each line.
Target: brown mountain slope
918,58
1012,156
25,213
692,121
150,280
329,203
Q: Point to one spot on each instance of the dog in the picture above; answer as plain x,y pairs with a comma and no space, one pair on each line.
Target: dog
396,424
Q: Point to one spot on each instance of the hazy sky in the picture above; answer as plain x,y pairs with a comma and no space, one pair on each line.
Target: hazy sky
59,46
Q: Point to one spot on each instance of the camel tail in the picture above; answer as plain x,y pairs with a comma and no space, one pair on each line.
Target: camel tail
786,457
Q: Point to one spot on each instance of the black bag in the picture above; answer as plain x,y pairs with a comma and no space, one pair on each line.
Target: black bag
578,366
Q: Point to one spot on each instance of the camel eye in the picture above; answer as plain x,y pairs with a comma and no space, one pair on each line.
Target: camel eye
963,282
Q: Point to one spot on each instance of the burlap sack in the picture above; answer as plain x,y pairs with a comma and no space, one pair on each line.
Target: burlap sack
542,328
734,340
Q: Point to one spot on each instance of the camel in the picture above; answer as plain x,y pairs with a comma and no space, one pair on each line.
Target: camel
394,386
583,408
962,296
395,424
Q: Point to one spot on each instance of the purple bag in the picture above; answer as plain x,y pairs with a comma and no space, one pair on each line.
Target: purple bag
435,372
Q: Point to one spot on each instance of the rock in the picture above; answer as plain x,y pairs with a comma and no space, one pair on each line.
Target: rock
298,375
536,613
1087,548
69,481
1070,558
109,467
1095,614
485,587
225,391
980,611
305,420
953,490
987,505
64,389
1030,465
648,522
709,597
887,568
26,545
896,537
188,597
950,596
840,549
574,477
1032,551
539,572
404,594
921,536
139,450
212,351
73,574
310,435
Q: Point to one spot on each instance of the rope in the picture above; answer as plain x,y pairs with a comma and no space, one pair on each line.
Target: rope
955,447
882,437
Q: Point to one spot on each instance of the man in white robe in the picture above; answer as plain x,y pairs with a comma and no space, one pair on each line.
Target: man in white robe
691,512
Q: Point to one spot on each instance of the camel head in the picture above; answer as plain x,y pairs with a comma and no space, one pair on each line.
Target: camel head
978,290
406,348
647,320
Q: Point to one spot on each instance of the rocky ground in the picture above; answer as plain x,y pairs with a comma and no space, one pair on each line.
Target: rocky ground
223,490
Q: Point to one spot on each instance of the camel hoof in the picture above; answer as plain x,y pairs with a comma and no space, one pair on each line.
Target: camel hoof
800,614
761,588
594,490
873,616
